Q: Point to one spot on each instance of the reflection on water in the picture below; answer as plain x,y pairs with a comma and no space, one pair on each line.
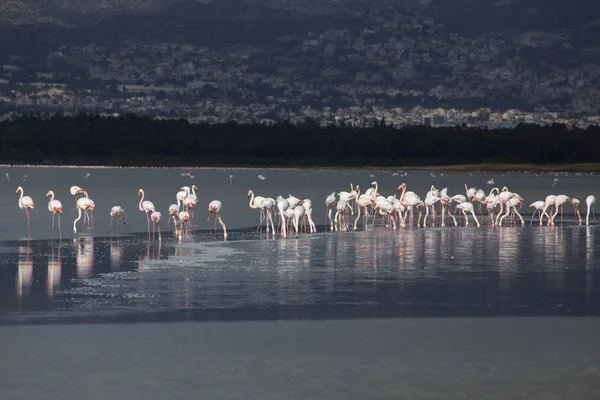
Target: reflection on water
24,270
378,273
85,256
54,269
116,253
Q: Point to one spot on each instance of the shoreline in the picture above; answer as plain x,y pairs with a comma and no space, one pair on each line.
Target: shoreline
591,168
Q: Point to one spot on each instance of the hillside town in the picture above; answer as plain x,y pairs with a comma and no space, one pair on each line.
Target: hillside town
397,68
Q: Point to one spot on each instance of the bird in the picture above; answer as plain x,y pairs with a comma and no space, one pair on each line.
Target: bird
256,203
555,182
215,207
146,206
184,218
268,206
261,177
55,207
231,179
82,204
559,202
26,202
75,190
87,175
118,213
155,217
173,213
576,203
467,207
490,182
590,201
539,206
181,195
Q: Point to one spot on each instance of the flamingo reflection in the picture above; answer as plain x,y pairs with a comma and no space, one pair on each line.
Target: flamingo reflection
54,270
24,270
85,256
116,252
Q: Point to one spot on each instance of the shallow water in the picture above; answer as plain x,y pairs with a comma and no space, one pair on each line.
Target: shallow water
446,272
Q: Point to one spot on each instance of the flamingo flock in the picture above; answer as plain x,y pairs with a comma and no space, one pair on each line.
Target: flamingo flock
345,210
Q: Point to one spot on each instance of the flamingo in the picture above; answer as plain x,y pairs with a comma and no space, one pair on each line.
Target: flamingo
75,190
173,212
268,205
155,217
539,206
118,213
549,202
146,206
256,202
307,205
341,208
181,196
83,204
215,206
590,201
184,218
511,205
330,204
362,202
559,202
282,206
467,207
299,213
26,202
576,203
90,206
55,207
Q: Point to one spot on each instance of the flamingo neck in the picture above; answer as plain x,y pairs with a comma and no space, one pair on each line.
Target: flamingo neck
251,203
142,199
78,218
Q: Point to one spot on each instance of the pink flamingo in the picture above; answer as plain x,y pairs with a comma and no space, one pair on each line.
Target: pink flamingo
118,213
184,218
155,217
539,206
26,202
215,207
55,207
146,206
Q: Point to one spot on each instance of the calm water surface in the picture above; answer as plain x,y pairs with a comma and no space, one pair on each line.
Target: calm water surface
124,276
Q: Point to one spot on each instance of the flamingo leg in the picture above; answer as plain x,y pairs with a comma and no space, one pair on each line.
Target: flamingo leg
53,222
28,221
59,230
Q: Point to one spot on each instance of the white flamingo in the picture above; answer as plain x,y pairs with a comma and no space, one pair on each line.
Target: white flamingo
590,201
26,203
56,208
145,206
215,207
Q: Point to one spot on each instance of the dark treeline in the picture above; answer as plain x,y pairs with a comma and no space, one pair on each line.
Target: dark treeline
131,140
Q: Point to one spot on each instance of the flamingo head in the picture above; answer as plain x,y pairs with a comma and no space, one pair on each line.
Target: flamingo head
49,194
402,185
249,193
194,187
140,191
373,183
